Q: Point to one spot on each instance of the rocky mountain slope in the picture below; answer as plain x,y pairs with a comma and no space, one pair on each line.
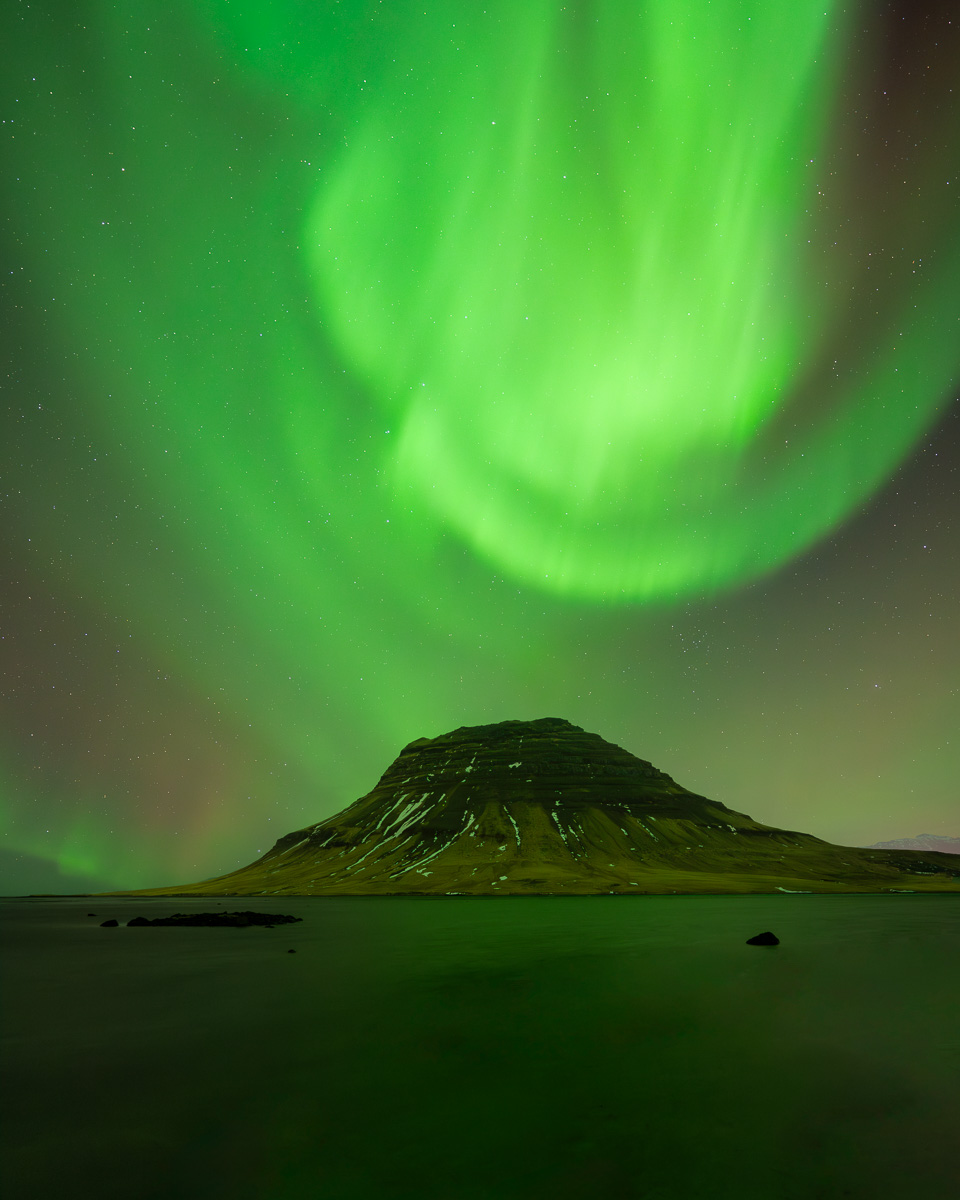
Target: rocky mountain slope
542,807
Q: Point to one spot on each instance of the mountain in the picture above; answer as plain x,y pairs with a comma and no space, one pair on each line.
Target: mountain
542,807
923,841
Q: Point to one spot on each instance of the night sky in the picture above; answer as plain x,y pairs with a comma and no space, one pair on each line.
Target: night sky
371,369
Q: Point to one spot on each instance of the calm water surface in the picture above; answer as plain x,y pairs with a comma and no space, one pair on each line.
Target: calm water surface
473,1049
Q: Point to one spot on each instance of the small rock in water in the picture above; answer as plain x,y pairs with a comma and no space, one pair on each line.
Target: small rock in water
108,924
291,951
764,939
91,914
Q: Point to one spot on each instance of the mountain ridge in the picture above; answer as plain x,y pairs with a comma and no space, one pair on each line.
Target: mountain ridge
923,841
543,807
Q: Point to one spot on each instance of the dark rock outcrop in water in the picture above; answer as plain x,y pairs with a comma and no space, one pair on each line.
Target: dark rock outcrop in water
544,808
764,939
235,920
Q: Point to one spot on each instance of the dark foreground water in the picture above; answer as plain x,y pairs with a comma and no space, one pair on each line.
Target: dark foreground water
472,1049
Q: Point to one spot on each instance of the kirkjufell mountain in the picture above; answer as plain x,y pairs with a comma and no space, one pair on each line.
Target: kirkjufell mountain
544,808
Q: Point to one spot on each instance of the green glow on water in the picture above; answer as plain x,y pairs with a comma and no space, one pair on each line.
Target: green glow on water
573,265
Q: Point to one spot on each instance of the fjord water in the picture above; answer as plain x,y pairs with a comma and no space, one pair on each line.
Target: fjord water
471,1049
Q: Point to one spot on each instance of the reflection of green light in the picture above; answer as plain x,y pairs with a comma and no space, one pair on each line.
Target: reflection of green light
572,264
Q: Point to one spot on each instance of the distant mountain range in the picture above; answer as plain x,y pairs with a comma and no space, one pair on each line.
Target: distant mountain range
923,841
544,808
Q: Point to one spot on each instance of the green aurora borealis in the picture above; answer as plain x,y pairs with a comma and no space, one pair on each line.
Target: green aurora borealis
375,369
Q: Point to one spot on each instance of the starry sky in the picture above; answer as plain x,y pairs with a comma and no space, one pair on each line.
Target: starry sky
371,369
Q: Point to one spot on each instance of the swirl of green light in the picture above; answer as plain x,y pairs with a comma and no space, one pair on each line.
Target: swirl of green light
568,249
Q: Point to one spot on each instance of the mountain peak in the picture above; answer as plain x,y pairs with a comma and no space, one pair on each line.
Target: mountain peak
501,731
545,807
